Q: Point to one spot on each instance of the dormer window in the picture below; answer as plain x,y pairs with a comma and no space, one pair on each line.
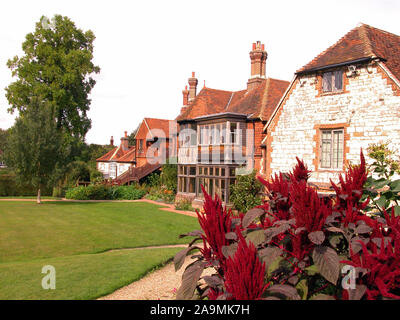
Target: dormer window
332,81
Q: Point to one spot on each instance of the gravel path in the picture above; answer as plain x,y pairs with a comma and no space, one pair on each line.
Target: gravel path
158,285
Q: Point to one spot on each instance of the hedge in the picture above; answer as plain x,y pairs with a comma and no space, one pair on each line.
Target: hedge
103,192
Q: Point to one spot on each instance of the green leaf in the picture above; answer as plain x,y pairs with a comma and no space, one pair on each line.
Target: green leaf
312,270
274,265
327,261
303,288
395,186
397,211
256,237
380,183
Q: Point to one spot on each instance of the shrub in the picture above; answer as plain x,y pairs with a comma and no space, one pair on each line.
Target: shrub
104,192
295,245
169,174
184,205
245,193
127,193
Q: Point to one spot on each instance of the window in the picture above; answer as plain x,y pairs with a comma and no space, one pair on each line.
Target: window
332,146
140,145
214,181
187,179
332,81
187,135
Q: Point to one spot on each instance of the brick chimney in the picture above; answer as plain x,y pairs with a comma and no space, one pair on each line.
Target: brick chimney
258,57
112,141
124,142
192,87
185,99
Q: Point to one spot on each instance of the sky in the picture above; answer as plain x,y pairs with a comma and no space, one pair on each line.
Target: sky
148,49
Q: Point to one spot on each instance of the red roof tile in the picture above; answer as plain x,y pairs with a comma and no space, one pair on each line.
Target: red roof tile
361,42
118,155
257,103
153,124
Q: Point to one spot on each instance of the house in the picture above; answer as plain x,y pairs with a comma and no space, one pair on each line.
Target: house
155,142
343,100
220,132
118,160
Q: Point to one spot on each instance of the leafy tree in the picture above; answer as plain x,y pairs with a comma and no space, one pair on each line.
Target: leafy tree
54,76
57,66
3,141
35,146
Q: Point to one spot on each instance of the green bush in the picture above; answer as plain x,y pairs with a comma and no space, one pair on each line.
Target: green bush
245,194
184,205
127,193
104,192
169,174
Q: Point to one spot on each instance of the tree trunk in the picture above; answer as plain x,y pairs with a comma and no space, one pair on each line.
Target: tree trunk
38,197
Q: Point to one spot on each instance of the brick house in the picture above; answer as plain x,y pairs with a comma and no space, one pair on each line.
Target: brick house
118,160
155,141
343,100
221,131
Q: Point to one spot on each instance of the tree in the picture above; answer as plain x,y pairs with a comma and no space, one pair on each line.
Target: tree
3,141
57,66
34,146
53,76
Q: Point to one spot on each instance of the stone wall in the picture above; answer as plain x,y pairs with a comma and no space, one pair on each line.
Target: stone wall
368,110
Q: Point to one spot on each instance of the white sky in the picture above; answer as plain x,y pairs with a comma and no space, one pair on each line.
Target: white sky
147,49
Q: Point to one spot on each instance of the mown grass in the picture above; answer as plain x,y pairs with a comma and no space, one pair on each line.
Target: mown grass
87,276
55,229
75,239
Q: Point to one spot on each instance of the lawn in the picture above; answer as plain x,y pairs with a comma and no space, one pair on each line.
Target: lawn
75,239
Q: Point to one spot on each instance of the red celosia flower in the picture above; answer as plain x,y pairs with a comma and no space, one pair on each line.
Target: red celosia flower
300,171
214,294
309,210
216,221
279,196
350,191
383,269
244,276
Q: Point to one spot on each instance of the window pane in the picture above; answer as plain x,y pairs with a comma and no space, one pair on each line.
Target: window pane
326,149
223,172
192,171
327,81
217,171
339,80
192,185
211,171
337,149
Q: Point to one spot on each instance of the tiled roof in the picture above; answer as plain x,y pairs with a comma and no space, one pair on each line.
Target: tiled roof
361,42
160,124
154,124
119,155
129,156
257,103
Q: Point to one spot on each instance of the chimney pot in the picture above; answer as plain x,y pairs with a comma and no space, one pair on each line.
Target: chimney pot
258,57
192,87
112,141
